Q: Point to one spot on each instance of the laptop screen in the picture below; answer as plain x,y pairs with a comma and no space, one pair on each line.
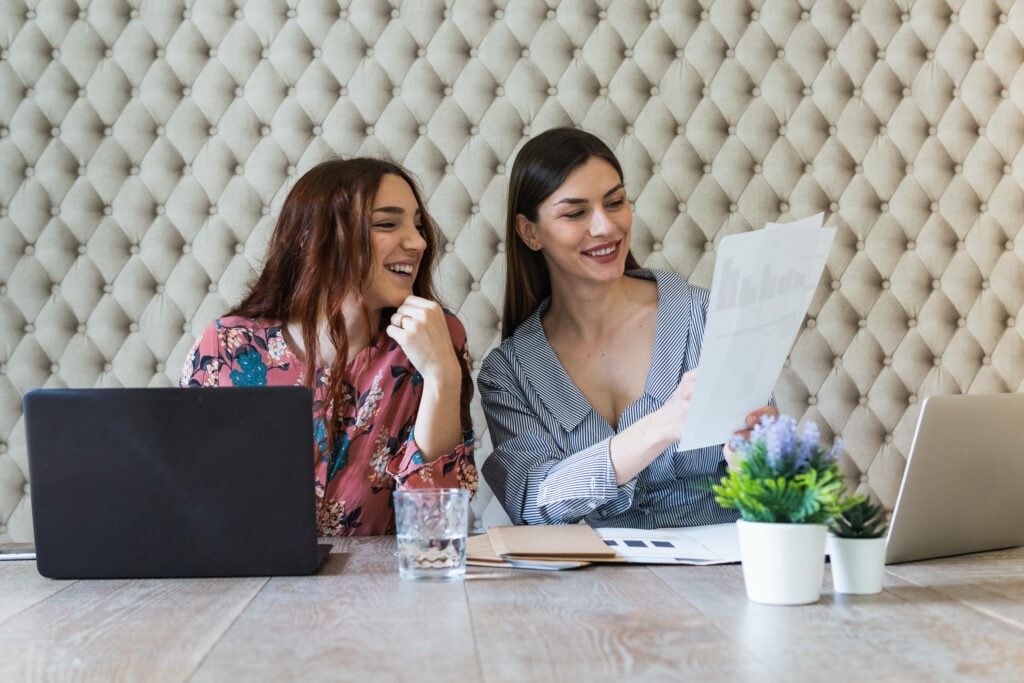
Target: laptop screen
961,489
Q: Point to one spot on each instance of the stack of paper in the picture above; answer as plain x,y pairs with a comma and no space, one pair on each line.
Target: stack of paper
567,546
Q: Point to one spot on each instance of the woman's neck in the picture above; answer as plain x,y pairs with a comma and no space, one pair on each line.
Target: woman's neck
357,332
587,313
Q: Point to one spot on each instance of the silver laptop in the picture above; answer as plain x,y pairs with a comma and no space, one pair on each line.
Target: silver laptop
167,482
963,488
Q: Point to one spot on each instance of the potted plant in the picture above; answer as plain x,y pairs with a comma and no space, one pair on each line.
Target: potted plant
787,488
856,548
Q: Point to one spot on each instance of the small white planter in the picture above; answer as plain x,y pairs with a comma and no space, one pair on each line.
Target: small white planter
858,564
783,564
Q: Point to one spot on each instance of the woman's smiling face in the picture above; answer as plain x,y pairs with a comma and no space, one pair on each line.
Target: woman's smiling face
584,227
398,244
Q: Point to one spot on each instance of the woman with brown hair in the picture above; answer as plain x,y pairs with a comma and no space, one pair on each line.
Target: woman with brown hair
345,305
588,392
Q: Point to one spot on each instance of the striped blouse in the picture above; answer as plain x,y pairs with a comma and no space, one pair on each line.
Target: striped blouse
551,461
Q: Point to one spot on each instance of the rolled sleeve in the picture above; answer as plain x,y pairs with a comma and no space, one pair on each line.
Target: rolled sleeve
456,469
587,475
584,484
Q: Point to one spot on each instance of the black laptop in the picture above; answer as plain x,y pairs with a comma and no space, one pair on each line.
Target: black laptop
168,482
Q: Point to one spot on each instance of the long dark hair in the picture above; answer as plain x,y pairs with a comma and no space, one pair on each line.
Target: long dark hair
321,252
540,168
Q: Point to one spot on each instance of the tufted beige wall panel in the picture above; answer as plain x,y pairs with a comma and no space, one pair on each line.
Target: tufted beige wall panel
146,146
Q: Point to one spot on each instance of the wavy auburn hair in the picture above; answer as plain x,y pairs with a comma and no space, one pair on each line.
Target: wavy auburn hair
540,168
321,252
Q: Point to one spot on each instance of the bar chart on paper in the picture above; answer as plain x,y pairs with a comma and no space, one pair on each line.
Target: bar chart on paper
762,286
757,315
741,289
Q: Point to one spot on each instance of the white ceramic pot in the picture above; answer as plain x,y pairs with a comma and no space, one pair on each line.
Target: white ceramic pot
783,564
858,564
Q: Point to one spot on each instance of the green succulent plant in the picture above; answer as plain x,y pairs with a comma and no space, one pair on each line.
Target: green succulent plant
863,519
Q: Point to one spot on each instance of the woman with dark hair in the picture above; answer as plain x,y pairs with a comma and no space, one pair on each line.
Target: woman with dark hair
345,305
587,394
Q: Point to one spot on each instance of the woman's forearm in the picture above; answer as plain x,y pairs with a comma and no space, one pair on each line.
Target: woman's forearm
439,418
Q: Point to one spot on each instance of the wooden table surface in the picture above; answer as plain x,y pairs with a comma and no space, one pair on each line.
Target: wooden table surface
952,619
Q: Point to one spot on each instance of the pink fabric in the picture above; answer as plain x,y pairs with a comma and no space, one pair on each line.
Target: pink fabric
376,451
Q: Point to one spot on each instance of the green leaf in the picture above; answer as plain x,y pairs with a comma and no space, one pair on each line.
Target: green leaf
860,519
763,493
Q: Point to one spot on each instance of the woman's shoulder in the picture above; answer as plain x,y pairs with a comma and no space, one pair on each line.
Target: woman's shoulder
453,320
498,365
455,328
522,348
664,277
673,286
236,327
240,322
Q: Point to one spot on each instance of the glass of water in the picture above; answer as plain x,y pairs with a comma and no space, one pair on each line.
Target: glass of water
432,526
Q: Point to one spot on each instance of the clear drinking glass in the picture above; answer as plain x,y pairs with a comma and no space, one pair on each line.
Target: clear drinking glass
432,525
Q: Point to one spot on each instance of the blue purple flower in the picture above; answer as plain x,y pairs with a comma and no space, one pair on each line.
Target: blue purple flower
784,445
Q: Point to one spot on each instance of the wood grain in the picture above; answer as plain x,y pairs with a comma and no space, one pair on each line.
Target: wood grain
22,587
596,624
916,630
121,630
355,620
954,619
994,587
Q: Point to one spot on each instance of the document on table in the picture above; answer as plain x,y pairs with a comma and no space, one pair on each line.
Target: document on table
711,544
760,291
568,546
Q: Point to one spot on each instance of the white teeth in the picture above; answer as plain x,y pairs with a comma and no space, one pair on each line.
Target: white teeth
600,252
400,268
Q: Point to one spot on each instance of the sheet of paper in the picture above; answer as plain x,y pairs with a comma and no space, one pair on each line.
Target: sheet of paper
564,546
760,291
699,545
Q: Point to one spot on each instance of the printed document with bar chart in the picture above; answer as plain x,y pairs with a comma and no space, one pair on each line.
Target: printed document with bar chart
762,286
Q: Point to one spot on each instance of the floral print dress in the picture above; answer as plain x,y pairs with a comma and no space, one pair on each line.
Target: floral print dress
376,450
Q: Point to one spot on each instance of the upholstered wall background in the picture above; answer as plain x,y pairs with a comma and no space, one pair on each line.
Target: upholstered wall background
145,148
